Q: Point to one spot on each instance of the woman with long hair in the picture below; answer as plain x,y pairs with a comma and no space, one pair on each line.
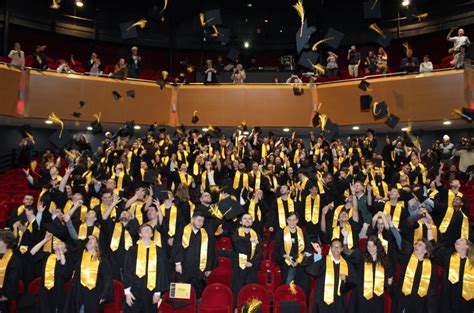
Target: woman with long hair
375,276
382,59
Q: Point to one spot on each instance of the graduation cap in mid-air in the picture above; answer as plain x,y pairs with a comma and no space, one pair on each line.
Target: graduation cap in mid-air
195,117
230,208
25,131
466,114
131,93
308,59
364,85
334,38
379,110
96,125
392,120
60,140
372,9
211,17
365,102
303,35
76,114
116,95
82,103
383,38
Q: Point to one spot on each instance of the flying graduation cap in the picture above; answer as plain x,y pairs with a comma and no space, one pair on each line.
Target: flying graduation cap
302,40
379,110
116,95
82,103
333,38
364,85
76,114
131,93
365,102
195,118
383,38
96,125
308,59
392,120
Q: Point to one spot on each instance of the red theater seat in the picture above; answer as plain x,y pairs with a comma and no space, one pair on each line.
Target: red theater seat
216,298
283,293
252,291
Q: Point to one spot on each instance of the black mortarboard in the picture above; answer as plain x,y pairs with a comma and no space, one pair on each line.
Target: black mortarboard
131,93
365,102
380,110
195,118
372,9
230,208
290,306
161,83
303,35
412,13
384,40
181,129
82,103
160,192
224,35
331,131
369,130
392,120
96,127
150,176
308,59
116,95
76,114
127,32
213,17
334,38
364,85
233,54
466,114
315,119
60,142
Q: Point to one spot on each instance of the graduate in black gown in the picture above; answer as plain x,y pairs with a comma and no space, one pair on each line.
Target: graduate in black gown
10,270
334,278
91,285
418,285
193,253
247,254
55,271
147,274
374,277
458,276
280,210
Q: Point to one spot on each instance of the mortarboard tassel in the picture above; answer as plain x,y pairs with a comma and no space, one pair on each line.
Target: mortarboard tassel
315,46
202,19
323,118
254,304
56,120
97,117
71,155
55,5
300,10
141,23
373,5
216,32
292,288
165,5
377,29
406,46
421,16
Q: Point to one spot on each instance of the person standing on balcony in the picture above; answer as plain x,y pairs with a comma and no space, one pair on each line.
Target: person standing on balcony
353,56
426,66
370,63
134,63
238,75
17,56
210,73
458,41
96,68
331,66
39,58
382,59
410,63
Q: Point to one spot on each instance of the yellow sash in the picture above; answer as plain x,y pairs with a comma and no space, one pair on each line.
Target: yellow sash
256,216
281,211
137,209
443,227
396,213
418,233
383,241
375,189
20,210
410,276
329,279
119,181
373,284
103,208
83,232
243,258
337,211
185,179
192,207
84,209
89,270
94,202
467,279
156,236
311,212
140,268
195,169
116,236
204,243
237,180
49,245
336,234
49,271
204,178
265,150
4,264
303,186
172,219
287,242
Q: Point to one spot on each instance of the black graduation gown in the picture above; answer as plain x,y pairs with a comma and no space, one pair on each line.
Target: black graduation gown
301,277
80,295
249,275
10,282
257,224
273,216
53,299
166,224
190,257
318,270
138,286
28,241
451,294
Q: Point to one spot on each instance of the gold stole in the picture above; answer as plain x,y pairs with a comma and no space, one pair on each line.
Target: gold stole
422,171
243,258
410,276
94,202
432,194
185,179
281,211
467,279
20,210
376,190
140,268
336,234
288,243
237,180
49,245
29,227
137,209
337,211
89,270
204,178
204,243
119,181
4,264
116,236
172,218
300,193
156,235
165,160
103,208
142,174
296,157
192,207
351,150
182,156
49,271
256,216
373,285
443,227
82,215
257,177
418,233
329,279
265,150
383,241
83,232
88,176
396,213
311,212
195,169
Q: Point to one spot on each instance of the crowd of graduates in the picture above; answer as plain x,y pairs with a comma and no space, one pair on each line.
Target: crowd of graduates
148,211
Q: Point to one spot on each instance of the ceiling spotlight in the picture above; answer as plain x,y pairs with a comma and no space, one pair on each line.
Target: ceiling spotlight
246,44
406,3
79,3
249,5
246,133
205,129
281,30
137,127
447,123
48,122
286,130
355,127
404,129
266,21
89,127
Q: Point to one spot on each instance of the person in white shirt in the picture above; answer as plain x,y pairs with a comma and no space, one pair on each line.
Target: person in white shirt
458,41
426,66
17,56
96,68
238,75
64,68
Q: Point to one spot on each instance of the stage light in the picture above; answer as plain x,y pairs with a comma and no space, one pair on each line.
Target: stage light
404,129
246,44
89,127
48,122
406,3
355,127
249,5
447,123
205,129
137,127
286,130
79,3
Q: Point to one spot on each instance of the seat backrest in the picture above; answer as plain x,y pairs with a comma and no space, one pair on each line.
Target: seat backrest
34,286
224,263
283,293
217,295
311,300
252,291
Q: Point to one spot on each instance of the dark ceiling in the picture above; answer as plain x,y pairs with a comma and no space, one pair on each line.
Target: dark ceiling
266,24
